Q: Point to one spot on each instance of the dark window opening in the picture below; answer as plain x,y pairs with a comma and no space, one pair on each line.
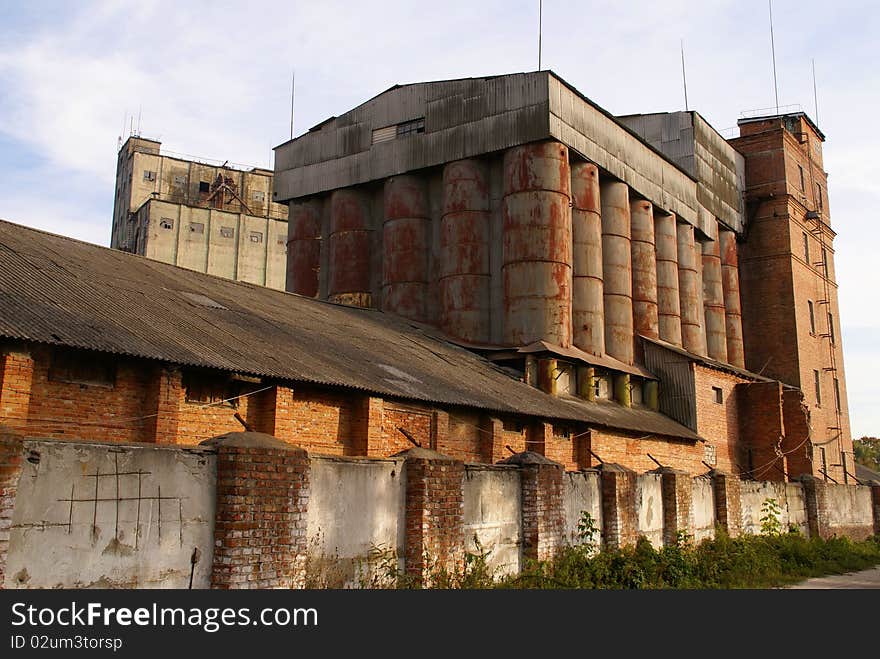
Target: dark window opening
166,223
801,173
818,385
410,127
819,195
196,227
825,262
204,186
831,328
227,232
718,395
149,176
837,394
209,388
82,368
806,247
812,317
562,432
512,425
256,237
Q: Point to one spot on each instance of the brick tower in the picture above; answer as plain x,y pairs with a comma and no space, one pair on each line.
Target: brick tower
791,322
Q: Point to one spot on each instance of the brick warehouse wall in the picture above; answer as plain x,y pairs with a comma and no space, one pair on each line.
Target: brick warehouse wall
632,451
719,422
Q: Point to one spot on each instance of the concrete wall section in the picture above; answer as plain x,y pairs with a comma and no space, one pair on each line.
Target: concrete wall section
849,510
755,494
120,516
649,507
703,509
581,493
493,516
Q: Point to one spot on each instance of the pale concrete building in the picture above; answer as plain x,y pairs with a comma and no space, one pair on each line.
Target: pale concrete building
210,217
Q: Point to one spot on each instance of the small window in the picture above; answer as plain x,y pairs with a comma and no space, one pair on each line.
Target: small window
208,388
82,368
166,223
411,127
837,394
227,232
825,262
819,198
812,317
801,173
149,176
204,186
831,328
818,386
196,227
718,395
180,181
597,387
806,248
259,195
256,237
563,432
512,425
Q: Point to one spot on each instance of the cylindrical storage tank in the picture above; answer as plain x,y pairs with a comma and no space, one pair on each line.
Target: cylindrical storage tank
690,289
304,247
405,246
713,301
536,246
349,243
617,271
587,302
732,306
668,303
464,252
646,320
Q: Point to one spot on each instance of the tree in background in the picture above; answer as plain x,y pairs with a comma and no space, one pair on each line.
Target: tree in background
867,452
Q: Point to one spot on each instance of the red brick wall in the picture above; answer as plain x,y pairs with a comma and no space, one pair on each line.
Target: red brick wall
631,451
16,374
418,421
319,421
466,438
260,525
718,423
761,428
797,446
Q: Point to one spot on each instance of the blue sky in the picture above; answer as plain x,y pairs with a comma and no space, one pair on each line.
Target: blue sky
212,79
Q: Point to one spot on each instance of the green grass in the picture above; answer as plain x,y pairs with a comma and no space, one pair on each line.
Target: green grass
746,562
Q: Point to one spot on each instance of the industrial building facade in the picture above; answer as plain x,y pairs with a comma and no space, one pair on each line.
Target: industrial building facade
203,216
643,261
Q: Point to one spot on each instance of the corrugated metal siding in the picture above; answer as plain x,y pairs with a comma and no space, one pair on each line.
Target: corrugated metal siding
59,291
678,397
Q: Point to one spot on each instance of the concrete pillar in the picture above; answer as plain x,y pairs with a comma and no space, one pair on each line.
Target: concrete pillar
547,376
713,301
366,427
875,502
162,405
405,236
732,305
587,301
622,393
543,511
492,440
677,491
652,395
259,478
304,247
434,514
11,450
816,504
617,271
537,250
620,524
668,302
350,237
465,277
586,377
728,502
690,291
644,271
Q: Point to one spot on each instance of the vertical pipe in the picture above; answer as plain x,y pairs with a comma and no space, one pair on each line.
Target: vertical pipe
732,305
536,249
644,270
713,301
690,292
622,393
586,383
587,301
304,247
464,252
405,244
547,376
349,262
668,303
617,270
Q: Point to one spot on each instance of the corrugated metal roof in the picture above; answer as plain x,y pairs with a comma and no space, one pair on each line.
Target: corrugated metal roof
61,291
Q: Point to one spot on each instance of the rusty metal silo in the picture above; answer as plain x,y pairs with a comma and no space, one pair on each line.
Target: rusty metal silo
349,244
464,251
713,301
732,305
668,303
304,247
617,270
690,290
405,246
644,270
587,302
537,250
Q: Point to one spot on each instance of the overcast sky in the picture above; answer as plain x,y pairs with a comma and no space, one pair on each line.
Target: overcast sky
212,79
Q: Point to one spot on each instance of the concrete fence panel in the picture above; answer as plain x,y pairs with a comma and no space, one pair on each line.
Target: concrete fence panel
493,515
703,509
649,507
581,493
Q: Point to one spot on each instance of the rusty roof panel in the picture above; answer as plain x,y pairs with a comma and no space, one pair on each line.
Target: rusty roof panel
60,291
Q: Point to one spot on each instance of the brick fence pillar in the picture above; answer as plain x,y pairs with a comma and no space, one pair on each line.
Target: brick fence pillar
875,499
492,440
434,514
366,426
816,499
10,472
543,512
677,488
620,524
16,375
728,502
260,523
162,404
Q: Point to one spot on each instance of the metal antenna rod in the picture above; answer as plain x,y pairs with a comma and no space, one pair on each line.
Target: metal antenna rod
292,90
815,96
773,54
540,26
684,77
